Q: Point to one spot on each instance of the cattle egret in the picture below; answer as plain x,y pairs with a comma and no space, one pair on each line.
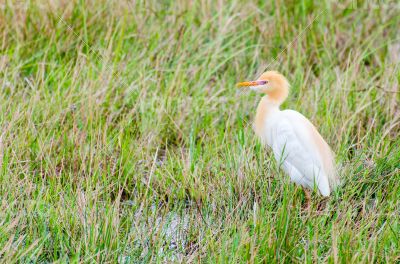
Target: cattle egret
296,143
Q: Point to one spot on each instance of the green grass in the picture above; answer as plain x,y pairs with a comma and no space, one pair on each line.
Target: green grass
123,137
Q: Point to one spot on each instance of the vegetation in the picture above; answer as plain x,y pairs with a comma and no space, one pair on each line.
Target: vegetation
124,138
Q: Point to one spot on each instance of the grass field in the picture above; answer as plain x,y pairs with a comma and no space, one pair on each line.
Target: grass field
124,138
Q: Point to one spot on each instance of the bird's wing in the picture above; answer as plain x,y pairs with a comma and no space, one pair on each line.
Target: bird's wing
297,157
315,145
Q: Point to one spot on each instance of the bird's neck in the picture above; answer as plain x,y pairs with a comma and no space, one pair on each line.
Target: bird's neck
278,95
265,108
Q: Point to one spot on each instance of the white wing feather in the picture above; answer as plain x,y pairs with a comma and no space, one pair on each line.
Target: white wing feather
298,157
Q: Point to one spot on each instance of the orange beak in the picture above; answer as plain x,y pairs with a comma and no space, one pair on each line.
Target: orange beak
251,83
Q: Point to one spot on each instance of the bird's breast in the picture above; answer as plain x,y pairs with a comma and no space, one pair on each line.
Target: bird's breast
264,121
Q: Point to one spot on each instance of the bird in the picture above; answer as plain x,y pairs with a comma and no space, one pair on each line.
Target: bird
298,147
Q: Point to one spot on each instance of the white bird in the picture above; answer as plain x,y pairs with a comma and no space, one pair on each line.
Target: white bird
296,143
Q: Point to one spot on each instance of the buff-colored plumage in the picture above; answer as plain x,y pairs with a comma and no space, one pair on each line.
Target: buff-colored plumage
296,143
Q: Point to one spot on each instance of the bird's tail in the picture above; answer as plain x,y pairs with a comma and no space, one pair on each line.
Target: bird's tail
333,173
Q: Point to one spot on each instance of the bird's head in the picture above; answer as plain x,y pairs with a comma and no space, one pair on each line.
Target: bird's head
271,83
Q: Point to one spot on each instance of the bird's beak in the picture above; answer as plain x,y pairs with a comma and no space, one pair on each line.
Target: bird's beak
251,83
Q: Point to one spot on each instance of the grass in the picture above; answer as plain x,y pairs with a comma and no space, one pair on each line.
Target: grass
124,139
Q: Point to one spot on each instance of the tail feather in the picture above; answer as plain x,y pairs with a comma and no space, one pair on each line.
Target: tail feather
332,173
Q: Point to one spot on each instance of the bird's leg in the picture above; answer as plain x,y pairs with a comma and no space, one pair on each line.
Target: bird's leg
308,198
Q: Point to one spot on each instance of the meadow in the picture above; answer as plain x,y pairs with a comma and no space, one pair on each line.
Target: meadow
124,139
